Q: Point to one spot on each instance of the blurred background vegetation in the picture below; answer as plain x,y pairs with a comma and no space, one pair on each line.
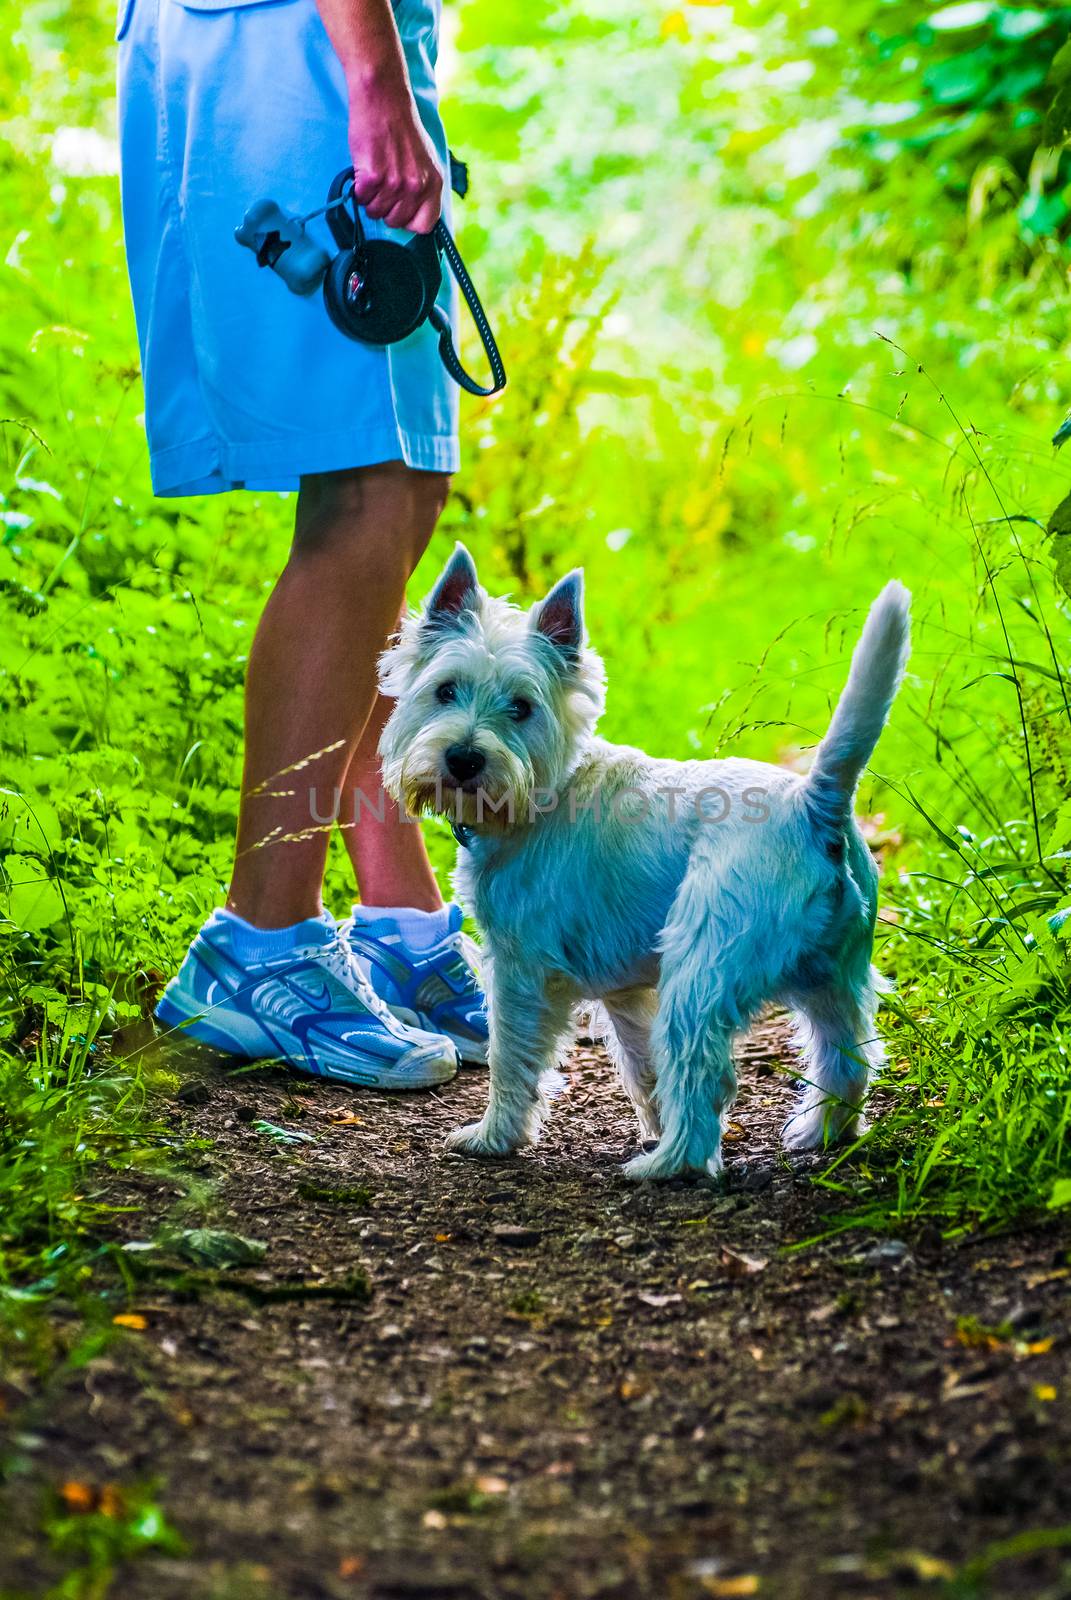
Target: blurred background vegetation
784,299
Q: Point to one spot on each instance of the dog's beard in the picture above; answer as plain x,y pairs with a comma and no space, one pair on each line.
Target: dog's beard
497,797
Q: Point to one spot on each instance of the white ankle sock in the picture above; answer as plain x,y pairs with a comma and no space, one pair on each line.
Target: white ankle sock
250,944
417,929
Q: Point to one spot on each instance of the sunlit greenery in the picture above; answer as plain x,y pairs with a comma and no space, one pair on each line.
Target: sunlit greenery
784,301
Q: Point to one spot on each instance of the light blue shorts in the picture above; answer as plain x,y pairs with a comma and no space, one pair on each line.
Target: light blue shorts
246,384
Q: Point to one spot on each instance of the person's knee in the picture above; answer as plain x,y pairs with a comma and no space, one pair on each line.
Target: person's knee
372,519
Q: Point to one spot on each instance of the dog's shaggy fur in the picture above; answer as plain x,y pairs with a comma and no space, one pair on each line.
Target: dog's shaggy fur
680,895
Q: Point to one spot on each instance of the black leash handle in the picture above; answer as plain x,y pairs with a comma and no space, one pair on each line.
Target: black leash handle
439,320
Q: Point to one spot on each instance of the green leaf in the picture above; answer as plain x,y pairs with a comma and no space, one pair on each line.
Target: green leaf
1021,23
1060,834
1057,125
960,78
1042,214
969,14
215,1247
1060,70
33,900
1061,1194
1059,531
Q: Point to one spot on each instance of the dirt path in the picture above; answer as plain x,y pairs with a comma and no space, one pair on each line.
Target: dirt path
562,1386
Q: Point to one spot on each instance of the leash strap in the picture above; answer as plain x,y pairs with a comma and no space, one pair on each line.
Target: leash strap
441,322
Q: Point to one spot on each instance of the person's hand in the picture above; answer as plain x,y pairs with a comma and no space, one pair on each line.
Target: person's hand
396,175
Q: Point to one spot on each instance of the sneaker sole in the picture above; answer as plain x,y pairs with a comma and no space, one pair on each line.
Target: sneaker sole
250,1042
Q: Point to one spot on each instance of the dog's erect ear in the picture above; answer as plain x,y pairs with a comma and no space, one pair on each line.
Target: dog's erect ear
560,616
456,591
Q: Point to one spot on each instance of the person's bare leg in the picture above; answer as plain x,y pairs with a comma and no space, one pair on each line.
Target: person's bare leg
312,676
389,859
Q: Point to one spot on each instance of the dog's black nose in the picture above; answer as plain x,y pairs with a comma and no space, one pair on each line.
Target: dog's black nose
464,762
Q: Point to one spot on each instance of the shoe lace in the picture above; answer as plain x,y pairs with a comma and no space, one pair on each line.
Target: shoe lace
468,950
341,962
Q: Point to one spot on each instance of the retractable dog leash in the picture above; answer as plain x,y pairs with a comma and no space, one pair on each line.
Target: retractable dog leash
375,291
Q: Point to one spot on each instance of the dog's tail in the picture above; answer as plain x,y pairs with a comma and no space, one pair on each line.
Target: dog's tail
862,711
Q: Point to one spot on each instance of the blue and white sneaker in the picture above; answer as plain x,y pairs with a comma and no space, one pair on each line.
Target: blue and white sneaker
309,1005
436,988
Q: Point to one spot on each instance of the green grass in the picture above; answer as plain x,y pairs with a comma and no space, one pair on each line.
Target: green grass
68,1117
748,384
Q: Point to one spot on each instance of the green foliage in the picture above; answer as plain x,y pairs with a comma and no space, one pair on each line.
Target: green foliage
114,1528
970,98
67,1117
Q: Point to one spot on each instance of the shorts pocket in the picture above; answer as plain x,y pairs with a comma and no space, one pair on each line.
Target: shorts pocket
122,20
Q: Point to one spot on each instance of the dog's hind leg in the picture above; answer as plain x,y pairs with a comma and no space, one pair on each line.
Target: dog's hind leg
696,1087
632,1013
840,1050
528,1027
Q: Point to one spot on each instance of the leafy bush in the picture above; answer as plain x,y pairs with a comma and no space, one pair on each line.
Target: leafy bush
962,96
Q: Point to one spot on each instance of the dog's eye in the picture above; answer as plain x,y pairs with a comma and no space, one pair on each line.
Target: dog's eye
520,709
446,693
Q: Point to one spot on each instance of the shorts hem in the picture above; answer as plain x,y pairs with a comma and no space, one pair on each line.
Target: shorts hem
210,466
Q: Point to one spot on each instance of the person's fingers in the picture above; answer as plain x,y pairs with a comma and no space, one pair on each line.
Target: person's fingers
399,216
406,205
386,198
366,184
427,215
420,208
418,205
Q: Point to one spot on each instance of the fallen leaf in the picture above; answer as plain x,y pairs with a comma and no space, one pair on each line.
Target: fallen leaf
632,1388
434,1519
82,1498
1034,1280
928,1569
1038,1347
1044,1391
110,1501
77,1497
659,1300
343,1119
351,1566
730,1588
965,1391
215,1247
487,1483
130,1319
738,1265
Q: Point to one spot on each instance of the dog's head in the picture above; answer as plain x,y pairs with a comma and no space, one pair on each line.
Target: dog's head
494,704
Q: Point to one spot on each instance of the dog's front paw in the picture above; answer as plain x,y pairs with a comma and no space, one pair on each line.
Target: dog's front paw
658,1164
478,1140
818,1123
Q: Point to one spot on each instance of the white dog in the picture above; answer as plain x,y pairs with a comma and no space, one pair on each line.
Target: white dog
683,895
